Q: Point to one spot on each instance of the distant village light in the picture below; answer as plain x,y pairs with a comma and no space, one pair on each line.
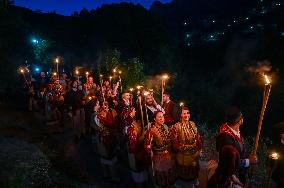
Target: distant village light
35,41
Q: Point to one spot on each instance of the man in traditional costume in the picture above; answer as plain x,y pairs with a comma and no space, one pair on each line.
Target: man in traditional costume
106,140
73,102
233,164
186,142
89,85
136,153
171,110
151,107
158,146
126,101
90,103
56,100
41,85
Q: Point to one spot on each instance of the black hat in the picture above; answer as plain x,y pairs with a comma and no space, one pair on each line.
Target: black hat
232,114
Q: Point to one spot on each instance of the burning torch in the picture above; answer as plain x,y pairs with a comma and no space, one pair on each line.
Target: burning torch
78,74
273,158
164,78
57,62
266,93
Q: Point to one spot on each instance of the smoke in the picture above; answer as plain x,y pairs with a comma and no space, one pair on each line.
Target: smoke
153,82
260,68
241,58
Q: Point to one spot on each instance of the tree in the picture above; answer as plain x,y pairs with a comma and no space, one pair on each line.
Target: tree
132,68
40,51
5,4
84,12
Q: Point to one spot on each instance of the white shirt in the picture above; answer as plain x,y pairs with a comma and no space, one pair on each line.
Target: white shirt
237,133
154,109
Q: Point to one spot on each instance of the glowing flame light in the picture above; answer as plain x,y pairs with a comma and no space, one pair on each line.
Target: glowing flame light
22,70
57,60
119,72
165,77
87,73
267,81
54,73
146,93
139,87
77,72
131,89
274,156
181,104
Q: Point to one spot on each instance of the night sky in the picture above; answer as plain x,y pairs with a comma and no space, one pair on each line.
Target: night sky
67,7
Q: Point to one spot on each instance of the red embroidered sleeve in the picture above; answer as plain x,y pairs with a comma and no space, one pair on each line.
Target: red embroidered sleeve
132,141
229,158
108,120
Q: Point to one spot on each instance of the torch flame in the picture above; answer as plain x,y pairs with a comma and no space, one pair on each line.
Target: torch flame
119,72
274,156
181,104
146,93
22,70
77,72
165,77
54,73
101,75
131,89
267,81
114,70
139,87
57,60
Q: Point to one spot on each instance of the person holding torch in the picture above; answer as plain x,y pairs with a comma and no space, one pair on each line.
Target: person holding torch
151,106
134,133
157,144
233,164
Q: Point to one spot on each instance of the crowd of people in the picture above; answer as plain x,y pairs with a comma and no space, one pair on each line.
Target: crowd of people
160,141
